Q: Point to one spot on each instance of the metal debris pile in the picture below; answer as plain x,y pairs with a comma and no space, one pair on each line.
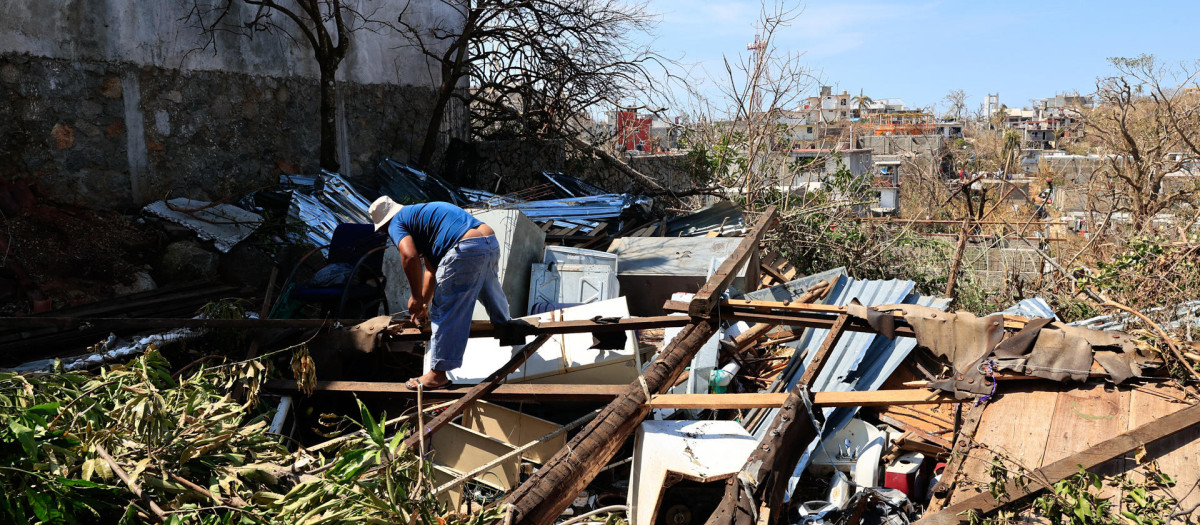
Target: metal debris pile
672,370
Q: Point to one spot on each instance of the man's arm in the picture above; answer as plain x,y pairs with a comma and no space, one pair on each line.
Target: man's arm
417,276
430,280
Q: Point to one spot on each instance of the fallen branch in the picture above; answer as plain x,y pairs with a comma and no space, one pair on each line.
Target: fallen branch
1161,333
159,515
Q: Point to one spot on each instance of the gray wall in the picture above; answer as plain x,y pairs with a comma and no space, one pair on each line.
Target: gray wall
111,103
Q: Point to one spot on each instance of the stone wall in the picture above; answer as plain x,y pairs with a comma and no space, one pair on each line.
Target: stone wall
512,166
113,103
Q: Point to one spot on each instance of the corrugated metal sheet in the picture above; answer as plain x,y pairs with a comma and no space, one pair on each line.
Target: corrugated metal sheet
1184,314
1031,308
860,361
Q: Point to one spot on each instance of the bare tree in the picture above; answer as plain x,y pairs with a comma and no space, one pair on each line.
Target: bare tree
325,26
527,68
956,104
1147,120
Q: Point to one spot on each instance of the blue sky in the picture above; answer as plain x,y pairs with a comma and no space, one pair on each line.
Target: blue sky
920,50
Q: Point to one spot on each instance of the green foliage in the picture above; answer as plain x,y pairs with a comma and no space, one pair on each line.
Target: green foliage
1150,272
1075,500
1081,499
198,453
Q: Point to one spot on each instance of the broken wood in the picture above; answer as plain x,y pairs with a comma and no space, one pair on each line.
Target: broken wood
943,489
1088,459
831,340
826,399
483,388
159,515
707,298
506,392
551,489
543,497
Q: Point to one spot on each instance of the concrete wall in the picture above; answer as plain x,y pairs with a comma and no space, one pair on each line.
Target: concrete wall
897,144
113,103
513,166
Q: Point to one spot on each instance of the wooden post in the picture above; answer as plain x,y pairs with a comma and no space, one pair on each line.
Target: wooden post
958,256
543,497
708,296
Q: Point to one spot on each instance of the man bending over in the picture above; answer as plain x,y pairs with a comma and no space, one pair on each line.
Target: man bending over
451,259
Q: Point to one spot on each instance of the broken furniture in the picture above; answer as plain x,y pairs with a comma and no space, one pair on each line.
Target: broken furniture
680,467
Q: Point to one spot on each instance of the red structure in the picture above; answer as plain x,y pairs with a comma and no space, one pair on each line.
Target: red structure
633,131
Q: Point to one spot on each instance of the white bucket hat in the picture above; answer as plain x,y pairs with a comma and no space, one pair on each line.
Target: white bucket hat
382,211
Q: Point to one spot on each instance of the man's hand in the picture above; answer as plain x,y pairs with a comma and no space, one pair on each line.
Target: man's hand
417,311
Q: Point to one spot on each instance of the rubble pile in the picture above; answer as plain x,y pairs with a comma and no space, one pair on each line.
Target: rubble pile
671,370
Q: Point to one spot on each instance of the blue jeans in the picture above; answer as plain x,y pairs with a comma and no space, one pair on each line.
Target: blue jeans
469,271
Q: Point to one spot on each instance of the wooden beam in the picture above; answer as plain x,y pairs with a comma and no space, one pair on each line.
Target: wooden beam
518,392
543,497
706,299
397,332
831,340
943,489
746,308
606,393
483,388
769,467
914,396
1088,459
149,323
487,329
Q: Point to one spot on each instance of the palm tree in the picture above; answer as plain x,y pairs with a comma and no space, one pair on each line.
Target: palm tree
862,101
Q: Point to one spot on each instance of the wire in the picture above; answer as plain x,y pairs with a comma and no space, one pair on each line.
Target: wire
610,508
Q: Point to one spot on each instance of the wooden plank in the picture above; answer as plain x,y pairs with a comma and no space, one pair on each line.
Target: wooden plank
826,399
476,392
748,305
943,489
818,361
1144,435
487,329
1082,418
1016,424
1176,455
707,298
507,392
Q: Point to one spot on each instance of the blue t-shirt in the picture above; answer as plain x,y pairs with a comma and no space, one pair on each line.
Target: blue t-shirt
434,226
